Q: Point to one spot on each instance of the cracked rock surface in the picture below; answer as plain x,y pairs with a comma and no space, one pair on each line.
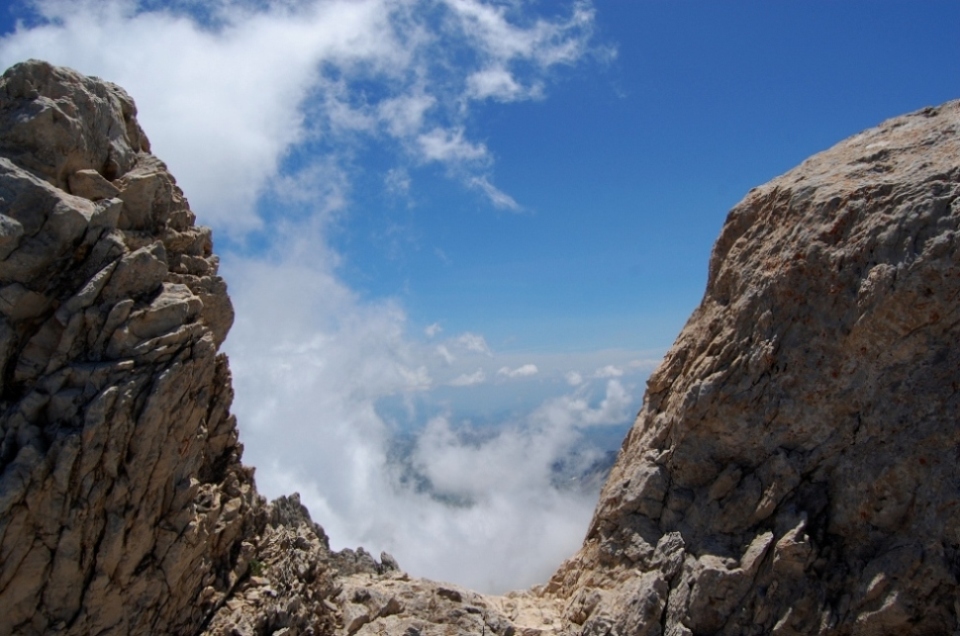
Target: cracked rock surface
121,492
795,468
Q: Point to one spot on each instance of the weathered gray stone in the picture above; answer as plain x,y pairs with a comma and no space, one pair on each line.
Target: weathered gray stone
90,184
10,234
57,122
121,492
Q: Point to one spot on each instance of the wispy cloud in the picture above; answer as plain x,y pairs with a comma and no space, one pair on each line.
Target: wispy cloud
474,342
497,197
500,84
450,146
520,372
444,353
470,379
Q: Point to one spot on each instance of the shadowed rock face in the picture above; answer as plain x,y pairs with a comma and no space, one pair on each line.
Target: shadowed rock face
795,468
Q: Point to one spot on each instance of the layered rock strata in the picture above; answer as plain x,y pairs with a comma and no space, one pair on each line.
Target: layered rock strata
795,468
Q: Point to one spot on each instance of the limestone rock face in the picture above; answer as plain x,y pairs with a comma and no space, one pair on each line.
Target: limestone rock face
123,504
795,468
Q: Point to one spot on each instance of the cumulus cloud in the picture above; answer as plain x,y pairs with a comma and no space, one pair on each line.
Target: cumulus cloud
520,372
257,108
576,410
474,342
495,514
471,379
573,378
609,371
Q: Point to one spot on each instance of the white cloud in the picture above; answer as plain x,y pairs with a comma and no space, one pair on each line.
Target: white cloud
404,115
441,144
609,371
307,396
498,83
573,378
441,255
471,379
474,342
220,106
444,353
320,189
544,42
496,196
576,410
432,330
397,181
520,372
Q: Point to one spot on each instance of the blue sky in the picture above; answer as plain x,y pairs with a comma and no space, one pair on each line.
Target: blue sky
476,222
626,170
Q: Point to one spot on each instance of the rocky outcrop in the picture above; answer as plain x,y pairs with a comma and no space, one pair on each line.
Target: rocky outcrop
301,586
123,504
795,468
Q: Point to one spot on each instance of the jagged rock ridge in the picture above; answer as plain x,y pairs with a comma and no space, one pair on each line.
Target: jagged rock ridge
795,468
